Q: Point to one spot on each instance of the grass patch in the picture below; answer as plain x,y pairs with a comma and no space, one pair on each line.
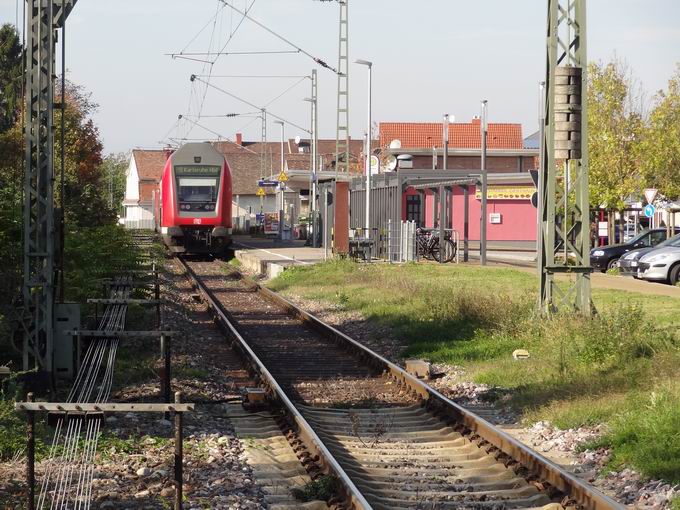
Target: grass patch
191,373
323,488
582,371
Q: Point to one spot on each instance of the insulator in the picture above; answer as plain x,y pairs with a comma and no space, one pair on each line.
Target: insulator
568,104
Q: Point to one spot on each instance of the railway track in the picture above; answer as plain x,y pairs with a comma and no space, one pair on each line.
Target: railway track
391,440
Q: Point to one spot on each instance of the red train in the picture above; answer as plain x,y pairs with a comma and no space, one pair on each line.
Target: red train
193,213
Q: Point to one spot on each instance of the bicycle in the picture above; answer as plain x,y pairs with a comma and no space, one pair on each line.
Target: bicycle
427,243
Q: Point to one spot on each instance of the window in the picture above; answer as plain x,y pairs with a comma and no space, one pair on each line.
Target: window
197,189
413,208
657,237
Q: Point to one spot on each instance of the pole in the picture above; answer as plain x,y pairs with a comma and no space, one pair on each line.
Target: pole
443,196
367,148
482,232
178,454
165,383
325,224
466,225
282,185
541,173
445,163
315,141
30,456
62,234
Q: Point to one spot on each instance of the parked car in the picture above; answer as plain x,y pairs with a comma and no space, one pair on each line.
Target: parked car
607,257
628,264
661,265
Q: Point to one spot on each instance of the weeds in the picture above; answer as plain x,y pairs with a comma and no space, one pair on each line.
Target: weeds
381,425
323,488
646,436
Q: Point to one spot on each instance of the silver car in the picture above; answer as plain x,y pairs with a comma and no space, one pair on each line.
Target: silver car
661,265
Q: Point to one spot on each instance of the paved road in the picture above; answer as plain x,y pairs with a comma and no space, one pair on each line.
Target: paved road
598,280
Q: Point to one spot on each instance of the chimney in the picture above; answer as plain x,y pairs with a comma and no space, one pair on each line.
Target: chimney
476,120
239,139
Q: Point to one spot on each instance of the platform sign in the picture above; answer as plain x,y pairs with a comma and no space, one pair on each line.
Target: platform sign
650,194
375,165
260,192
267,183
271,223
650,210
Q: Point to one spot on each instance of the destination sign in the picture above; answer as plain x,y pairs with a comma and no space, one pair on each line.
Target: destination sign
193,170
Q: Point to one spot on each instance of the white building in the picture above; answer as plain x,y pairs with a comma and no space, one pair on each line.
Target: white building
142,177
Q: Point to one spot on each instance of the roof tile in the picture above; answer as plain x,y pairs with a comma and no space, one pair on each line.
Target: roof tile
422,135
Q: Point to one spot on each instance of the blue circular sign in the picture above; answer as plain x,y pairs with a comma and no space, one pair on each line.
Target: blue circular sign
649,210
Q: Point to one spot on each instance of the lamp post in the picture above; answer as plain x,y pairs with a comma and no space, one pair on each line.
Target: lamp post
445,136
282,185
482,236
312,198
368,147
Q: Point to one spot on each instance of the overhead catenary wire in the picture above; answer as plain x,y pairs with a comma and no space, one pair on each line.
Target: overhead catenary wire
234,96
282,38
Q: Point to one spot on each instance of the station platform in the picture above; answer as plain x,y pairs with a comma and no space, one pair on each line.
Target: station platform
269,257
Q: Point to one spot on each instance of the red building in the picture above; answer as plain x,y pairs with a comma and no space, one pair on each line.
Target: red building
511,216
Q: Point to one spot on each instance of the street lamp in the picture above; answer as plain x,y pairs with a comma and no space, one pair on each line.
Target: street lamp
445,135
282,184
312,198
482,236
368,146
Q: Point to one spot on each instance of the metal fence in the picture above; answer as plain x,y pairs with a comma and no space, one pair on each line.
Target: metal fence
145,224
394,243
400,242
242,224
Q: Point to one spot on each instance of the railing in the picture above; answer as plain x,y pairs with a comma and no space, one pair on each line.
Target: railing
143,224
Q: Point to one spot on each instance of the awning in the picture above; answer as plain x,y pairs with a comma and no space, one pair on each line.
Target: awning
447,184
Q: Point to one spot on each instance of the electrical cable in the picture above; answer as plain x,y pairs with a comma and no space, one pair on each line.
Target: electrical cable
234,96
278,36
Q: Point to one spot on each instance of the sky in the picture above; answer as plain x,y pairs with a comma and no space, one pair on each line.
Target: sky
430,57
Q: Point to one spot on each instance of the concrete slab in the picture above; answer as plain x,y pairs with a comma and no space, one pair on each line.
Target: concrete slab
270,258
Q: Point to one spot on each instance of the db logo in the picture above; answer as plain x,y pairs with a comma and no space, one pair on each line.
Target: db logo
197,221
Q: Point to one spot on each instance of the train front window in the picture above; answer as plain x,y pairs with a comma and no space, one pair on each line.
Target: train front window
197,189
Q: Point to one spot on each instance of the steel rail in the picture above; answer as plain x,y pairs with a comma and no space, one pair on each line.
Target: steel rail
305,430
580,491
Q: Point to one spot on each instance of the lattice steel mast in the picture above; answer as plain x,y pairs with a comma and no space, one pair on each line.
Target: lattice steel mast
43,18
564,204
342,127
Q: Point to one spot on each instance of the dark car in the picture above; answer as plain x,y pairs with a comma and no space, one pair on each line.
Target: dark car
629,263
606,257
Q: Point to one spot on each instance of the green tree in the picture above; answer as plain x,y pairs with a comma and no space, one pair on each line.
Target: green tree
615,128
10,75
660,151
86,182
114,169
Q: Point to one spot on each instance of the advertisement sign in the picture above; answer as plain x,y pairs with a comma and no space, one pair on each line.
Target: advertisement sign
602,229
506,193
271,223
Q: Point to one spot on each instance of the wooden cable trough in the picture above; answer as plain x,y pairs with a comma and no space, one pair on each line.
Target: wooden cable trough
81,417
82,409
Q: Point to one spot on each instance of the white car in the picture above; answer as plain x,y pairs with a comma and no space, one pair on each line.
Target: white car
661,265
